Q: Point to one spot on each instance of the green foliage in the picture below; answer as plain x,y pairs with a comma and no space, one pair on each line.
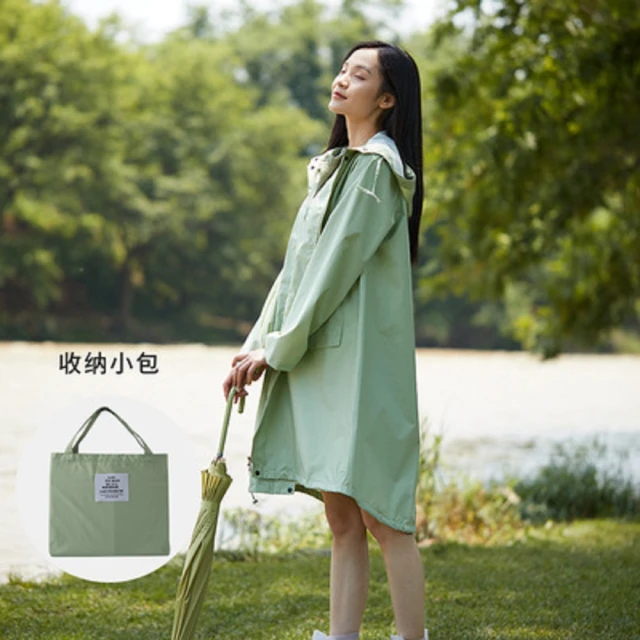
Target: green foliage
574,484
472,513
127,169
462,510
579,481
532,165
56,88
147,190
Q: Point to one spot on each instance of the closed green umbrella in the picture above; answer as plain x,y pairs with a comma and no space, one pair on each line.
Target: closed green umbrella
197,563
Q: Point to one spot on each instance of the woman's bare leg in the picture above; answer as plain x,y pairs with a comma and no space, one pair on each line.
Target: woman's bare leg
405,574
349,563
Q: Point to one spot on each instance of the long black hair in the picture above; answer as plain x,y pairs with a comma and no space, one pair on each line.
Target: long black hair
402,122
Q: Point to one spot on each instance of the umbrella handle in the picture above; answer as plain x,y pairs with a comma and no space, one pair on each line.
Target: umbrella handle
227,417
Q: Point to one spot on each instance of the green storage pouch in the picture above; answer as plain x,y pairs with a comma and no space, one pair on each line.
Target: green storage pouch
105,504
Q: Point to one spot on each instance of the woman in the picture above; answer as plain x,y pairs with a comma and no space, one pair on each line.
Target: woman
338,410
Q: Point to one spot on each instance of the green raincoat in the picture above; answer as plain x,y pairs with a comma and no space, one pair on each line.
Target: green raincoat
338,409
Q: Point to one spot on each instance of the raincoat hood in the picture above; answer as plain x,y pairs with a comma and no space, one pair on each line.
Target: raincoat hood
321,167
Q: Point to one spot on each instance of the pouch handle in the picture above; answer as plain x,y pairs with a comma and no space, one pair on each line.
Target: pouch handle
225,421
80,435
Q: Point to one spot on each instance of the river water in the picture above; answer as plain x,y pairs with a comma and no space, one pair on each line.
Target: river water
499,413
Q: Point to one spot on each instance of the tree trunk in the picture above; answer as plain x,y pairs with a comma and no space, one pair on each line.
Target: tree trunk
124,317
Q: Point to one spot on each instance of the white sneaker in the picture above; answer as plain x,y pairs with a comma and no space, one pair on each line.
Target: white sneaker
426,636
318,635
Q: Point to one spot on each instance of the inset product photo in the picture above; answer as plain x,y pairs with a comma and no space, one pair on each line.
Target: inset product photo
108,504
107,489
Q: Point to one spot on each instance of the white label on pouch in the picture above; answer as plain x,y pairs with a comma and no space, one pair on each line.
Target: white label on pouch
112,487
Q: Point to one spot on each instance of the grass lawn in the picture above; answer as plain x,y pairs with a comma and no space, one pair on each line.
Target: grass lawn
579,581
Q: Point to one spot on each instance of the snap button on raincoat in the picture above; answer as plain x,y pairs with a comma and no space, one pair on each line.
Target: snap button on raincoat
338,409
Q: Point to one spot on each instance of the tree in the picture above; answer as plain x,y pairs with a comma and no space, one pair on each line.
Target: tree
140,183
56,87
297,50
533,141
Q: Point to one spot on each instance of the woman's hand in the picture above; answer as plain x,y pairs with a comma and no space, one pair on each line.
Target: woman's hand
246,368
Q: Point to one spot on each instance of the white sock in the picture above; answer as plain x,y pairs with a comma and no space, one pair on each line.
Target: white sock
318,635
426,636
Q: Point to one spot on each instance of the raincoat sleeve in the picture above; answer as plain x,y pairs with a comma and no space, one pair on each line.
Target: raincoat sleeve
369,205
256,337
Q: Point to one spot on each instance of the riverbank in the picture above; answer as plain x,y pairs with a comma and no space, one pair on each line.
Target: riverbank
564,582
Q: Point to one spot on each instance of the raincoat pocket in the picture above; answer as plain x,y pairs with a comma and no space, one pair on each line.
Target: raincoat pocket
329,334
